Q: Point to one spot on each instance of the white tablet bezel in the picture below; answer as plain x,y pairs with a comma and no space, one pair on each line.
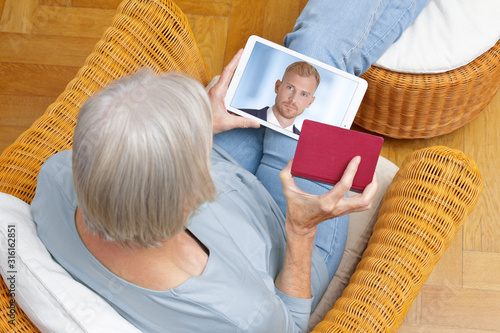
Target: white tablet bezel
349,113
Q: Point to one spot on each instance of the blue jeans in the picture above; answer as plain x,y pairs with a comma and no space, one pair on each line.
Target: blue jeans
351,34
265,153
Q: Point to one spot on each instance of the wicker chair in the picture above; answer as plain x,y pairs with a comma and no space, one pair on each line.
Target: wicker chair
428,201
410,105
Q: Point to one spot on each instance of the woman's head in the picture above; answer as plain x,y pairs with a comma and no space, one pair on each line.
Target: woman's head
141,154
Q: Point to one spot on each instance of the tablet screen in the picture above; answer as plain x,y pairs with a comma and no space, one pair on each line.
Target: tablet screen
256,89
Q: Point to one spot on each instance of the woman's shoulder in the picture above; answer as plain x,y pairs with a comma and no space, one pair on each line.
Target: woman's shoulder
55,180
57,162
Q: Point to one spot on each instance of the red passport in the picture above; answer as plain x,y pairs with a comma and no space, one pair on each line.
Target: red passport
324,151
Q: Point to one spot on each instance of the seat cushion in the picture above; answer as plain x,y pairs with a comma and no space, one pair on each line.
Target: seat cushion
49,296
446,35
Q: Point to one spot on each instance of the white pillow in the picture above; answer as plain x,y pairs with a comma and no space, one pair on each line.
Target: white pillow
51,298
447,34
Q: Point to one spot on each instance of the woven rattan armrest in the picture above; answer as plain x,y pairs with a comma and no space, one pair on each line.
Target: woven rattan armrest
427,203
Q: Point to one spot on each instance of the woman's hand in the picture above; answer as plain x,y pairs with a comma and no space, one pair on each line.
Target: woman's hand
306,211
223,120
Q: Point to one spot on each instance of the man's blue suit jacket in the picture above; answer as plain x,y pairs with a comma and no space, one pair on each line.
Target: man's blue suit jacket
262,114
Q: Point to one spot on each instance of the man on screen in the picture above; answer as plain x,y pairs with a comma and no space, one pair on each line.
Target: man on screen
294,94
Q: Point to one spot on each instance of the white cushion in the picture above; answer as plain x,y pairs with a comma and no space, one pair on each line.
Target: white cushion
51,298
448,34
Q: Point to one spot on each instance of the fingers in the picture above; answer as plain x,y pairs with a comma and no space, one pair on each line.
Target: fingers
363,201
244,122
369,193
236,59
347,178
356,203
350,171
222,120
228,71
286,175
219,89
230,121
288,182
212,83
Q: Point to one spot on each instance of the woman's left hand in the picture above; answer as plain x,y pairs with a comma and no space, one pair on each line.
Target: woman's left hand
223,120
305,211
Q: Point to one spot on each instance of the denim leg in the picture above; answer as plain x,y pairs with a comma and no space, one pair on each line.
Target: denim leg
331,235
244,145
351,34
334,31
387,30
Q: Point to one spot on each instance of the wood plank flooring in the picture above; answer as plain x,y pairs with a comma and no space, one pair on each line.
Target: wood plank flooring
43,43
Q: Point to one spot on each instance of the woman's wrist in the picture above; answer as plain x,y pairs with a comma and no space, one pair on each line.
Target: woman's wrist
297,231
294,278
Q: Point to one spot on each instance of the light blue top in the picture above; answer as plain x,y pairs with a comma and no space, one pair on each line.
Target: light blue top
243,229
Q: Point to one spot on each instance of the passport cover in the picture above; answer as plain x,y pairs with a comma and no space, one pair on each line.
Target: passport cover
324,151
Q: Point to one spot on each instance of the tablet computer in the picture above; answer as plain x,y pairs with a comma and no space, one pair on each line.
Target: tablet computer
310,90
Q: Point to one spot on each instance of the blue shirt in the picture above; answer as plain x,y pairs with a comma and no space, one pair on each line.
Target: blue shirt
243,230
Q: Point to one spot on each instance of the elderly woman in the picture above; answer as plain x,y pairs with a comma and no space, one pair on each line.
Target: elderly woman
168,228
180,234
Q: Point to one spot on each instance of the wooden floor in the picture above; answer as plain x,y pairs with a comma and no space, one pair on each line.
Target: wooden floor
44,42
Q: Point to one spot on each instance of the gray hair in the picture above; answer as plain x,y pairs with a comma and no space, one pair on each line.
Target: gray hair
141,157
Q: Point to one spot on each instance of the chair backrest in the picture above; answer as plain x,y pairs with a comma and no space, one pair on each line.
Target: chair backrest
144,33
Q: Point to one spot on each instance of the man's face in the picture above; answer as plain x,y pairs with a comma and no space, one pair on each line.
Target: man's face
294,94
